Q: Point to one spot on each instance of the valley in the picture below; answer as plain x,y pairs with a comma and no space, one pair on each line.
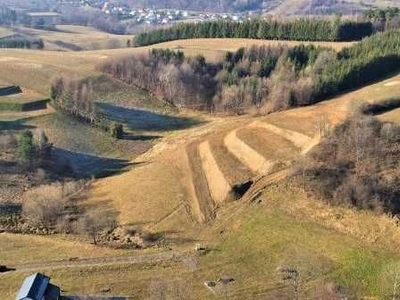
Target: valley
181,178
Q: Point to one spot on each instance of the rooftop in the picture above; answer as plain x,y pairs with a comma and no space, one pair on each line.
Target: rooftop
43,14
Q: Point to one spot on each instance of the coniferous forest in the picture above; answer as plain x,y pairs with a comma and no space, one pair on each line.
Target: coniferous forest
299,30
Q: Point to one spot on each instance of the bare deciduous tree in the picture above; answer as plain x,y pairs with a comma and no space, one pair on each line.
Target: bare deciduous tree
95,221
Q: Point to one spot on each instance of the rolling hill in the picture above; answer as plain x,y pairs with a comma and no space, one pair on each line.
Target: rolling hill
189,189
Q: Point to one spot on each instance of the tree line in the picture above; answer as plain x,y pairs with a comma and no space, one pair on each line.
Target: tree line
22,43
264,77
75,97
303,30
374,58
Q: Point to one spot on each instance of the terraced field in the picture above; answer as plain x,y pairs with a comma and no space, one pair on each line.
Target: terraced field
12,98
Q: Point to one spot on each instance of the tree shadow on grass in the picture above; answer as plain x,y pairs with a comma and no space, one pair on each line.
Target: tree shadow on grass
143,138
10,208
14,125
84,165
139,119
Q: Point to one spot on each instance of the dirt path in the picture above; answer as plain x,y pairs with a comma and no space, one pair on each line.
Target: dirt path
247,155
301,141
103,261
217,183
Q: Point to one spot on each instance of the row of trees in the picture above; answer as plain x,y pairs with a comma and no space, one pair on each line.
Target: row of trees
94,18
7,15
303,30
169,75
77,98
22,43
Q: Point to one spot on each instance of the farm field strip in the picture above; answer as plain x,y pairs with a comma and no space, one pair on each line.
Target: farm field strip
301,141
194,203
217,183
251,158
233,169
203,194
270,145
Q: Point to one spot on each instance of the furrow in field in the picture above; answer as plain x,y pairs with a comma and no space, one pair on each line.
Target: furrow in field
247,155
206,204
194,203
301,141
233,169
268,144
217,183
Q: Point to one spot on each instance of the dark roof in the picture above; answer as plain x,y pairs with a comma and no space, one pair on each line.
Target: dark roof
37,286
52,292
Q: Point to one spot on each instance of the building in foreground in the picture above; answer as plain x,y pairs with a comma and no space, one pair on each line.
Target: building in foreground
38,287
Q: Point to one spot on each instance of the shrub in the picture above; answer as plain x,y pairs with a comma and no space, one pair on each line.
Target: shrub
117,130
26,149
42,206
45,205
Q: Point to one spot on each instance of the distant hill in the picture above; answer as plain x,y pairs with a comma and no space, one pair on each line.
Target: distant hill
208,5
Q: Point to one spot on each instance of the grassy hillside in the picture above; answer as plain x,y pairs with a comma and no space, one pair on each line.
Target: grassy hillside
72,38
174,191
20,65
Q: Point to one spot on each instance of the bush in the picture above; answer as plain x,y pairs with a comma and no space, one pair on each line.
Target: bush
45,205
42,206
26,150
117,130
95,221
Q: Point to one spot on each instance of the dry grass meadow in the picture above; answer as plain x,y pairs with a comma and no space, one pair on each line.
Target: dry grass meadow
170,190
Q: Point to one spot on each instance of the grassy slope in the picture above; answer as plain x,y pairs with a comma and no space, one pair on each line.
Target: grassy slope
22,64
248,245
86,38
249,249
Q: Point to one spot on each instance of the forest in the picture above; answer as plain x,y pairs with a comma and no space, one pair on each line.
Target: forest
263,78
299,30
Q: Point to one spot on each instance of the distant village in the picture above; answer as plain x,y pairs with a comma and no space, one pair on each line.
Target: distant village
160,16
